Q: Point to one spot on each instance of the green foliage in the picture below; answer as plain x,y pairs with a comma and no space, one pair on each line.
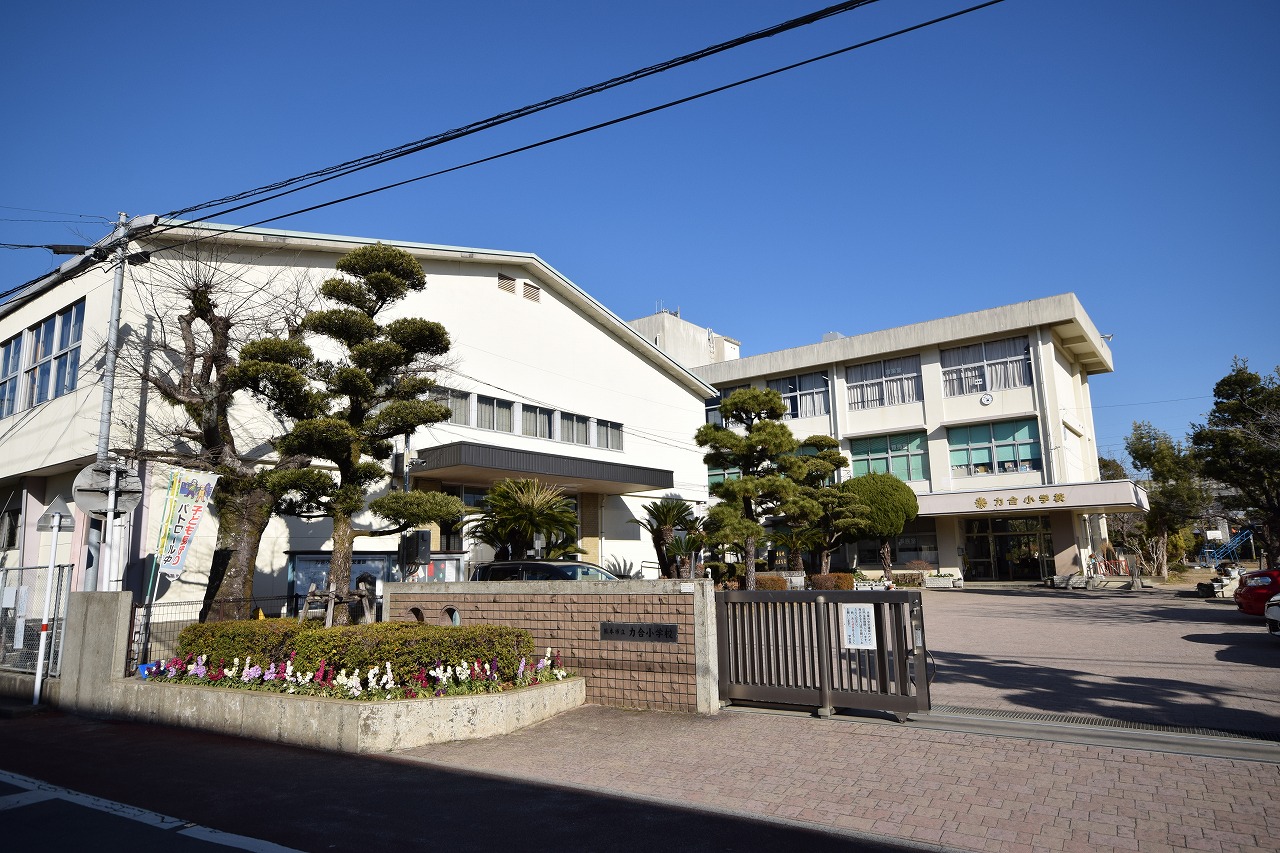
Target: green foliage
515,511
1111,469
1239,446
662,519
756,452
344,410
408,647
890,505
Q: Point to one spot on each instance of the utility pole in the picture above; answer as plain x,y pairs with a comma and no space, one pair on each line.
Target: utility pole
101,575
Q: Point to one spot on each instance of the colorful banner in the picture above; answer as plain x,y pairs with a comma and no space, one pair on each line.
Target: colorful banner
189,493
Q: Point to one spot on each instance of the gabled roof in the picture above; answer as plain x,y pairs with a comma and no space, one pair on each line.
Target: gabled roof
176,231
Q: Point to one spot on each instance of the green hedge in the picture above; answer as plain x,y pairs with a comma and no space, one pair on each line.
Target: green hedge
409,647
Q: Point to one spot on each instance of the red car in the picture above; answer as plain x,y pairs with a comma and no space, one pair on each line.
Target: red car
1254,590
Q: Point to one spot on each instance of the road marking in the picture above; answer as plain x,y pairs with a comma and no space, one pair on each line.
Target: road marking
38,791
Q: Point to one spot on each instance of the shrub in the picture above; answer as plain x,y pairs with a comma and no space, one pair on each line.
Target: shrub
920,566
908,578
833,581
772,583
409,648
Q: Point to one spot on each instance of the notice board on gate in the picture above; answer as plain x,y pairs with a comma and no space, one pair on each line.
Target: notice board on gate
857,626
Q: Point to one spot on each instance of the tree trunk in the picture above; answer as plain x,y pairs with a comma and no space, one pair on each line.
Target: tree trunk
825,563
795,560
886,559
749,579
340,565
242,519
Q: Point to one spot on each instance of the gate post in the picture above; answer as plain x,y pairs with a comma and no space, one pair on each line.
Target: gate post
824,657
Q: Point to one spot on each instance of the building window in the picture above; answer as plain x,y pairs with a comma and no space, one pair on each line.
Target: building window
55,353
804,396
990,366
891,382
10,519
574,428
459,404
713,405
904,455
507,283
719,475
1005,447
536,421
10,364
494,414
609,434
532,292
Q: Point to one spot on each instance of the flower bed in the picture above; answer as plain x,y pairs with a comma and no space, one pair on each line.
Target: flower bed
342,725
373,683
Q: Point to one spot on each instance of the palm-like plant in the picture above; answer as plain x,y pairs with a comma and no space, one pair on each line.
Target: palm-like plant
515,512
662,518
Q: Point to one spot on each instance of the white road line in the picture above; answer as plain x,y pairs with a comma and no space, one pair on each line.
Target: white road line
38,791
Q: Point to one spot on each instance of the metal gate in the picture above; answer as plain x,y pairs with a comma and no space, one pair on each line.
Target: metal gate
824,650
22,596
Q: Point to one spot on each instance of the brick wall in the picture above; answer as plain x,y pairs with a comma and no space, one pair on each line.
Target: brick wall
567,616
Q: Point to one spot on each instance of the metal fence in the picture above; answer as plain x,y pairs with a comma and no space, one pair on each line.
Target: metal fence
156,626
22,595
824,650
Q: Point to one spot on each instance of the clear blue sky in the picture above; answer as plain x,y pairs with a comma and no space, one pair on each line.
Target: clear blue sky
1126,150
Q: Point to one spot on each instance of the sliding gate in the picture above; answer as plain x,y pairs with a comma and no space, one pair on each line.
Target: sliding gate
825,650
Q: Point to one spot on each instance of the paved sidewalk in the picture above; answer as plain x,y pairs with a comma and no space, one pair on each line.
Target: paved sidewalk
953,790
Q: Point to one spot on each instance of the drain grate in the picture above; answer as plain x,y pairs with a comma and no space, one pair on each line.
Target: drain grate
1104,722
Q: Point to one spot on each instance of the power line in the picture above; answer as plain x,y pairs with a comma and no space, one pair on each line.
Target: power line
50,212
585,130
332,172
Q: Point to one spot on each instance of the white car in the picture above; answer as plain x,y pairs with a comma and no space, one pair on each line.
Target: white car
1272,614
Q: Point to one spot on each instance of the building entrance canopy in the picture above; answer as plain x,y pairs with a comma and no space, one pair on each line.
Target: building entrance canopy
1088,498
480,464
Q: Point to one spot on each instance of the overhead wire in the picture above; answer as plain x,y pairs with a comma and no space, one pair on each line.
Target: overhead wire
589,129
351,166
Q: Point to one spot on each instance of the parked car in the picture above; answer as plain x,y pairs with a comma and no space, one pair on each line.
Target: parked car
1272,615
540,570
1255,589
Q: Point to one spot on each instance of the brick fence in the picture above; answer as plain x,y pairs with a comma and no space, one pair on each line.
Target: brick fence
617,635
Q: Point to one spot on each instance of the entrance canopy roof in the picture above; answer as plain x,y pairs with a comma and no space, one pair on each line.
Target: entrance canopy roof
1087,498
468,463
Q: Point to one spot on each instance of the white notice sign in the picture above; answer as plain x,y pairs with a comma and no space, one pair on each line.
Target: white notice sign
858,626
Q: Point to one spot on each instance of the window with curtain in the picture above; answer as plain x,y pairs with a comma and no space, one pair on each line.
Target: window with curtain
1003,447
609,435
891,382
535,421
10,364
713,404
574,428
459,404
805,396
494,414
991,366
55,353
904,455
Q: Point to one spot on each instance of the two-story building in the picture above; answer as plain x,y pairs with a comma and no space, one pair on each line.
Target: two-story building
543,381
986,416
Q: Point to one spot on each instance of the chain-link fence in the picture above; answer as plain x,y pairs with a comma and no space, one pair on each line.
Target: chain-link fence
22,595
156,626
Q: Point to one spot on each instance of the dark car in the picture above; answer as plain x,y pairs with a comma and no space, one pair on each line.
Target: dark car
1255,589
540,570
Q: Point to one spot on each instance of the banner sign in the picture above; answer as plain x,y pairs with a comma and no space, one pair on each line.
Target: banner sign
185,505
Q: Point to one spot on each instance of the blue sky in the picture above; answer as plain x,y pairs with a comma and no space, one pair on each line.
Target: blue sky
1125,150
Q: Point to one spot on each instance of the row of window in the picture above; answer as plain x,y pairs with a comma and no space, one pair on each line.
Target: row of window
993,448
989,366
494,413
51,364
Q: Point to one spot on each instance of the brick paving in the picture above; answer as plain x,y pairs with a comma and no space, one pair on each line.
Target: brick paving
939,789
1157,657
